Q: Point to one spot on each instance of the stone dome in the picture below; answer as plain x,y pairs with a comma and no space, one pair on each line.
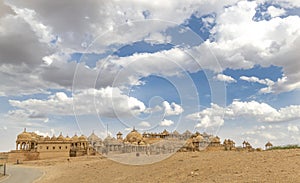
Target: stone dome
47,138
82,138
34,136
215,139
197,133
176,133
200,138
75,138
269,144
108,139
165,132
24,136
189,143
68,138
93,137
187,133
61,137
53,138
134,136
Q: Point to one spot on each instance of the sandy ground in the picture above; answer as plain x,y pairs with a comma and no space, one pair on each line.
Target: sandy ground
221,166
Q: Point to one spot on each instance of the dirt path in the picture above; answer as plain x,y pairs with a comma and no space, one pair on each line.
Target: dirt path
18,174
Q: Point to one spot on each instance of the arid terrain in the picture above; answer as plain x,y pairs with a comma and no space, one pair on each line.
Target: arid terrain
218,166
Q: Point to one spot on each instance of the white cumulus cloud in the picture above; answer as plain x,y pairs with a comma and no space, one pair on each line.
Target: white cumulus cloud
144,124
241,43
269,83
166,122
262,112
109,102
275,12
172,109
225,78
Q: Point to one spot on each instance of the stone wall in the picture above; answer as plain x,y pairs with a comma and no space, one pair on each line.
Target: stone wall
53,150
13,156
53,147
3,157
78,153
50,155
215,148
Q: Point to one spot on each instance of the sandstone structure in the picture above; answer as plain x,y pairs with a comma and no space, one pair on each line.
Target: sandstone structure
157,143
31,146
268,145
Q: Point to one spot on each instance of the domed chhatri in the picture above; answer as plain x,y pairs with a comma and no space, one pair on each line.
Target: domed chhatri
53,138
24,135
47,138
215,139
93,138
68,138
199,138
75,137
46,147
268,145
147,142
156,143
82,138
134,136
61,137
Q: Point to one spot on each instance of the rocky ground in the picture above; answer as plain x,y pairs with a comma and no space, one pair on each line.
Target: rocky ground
219,166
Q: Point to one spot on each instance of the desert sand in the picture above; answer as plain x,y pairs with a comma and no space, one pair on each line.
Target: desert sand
218,166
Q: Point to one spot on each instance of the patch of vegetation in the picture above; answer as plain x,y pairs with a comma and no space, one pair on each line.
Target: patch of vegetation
292,146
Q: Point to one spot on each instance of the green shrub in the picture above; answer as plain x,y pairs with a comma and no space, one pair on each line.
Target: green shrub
291,146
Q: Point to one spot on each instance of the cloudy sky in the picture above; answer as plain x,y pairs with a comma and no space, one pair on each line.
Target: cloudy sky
229,68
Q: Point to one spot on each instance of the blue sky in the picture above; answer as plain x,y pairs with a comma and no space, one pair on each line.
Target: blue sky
226,68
